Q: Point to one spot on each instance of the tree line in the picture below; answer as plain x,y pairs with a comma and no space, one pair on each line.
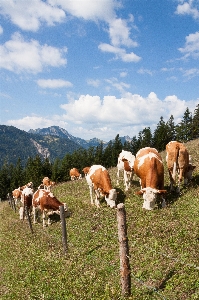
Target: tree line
13,176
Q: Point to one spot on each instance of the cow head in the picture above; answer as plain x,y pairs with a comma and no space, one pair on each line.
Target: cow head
150,197
190,171
111,198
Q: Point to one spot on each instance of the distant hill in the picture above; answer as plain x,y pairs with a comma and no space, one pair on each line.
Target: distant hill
52,142
16,143
63,133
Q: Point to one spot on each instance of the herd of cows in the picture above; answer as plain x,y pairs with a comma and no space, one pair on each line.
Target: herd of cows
147,165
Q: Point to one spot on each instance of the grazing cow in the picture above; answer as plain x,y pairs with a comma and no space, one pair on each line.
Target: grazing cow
178,162
47,203
26,200
46,184
99,181
86,170
125,164
16,194
149,168
74,174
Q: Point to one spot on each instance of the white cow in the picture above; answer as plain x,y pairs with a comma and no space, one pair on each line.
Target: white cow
126,165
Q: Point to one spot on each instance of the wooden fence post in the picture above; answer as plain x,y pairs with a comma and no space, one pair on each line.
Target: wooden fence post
123,250
63,222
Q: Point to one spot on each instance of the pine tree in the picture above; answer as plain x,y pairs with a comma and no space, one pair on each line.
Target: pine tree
117,148
184,128
160,135
135,145
145,138
171,132
195,123
17,175
56,167
99,154
4,181
108,159
33,171
47,168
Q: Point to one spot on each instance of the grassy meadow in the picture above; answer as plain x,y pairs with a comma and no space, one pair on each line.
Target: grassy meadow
163,246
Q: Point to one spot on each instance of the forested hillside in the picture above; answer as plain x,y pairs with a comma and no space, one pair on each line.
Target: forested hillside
16,143
30,157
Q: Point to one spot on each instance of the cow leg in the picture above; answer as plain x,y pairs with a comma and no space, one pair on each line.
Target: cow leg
21,213
180,175
172,181
35,214
97,193
43,217
49,221
130,178
126,181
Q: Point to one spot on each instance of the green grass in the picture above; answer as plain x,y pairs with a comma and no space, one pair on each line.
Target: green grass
163,244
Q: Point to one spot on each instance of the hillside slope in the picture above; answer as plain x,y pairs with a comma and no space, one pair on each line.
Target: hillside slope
16,143
163,246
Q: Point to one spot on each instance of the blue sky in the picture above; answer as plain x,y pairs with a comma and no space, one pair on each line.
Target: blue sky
98,67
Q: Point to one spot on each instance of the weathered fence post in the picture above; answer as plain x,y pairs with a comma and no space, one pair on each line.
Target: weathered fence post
13,204
123,251
63,222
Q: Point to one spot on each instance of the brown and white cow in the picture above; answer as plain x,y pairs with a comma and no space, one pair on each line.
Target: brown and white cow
26,200
74,174
178,163
16,194
126,165
85,170
99,181
149,168
47,184
46,202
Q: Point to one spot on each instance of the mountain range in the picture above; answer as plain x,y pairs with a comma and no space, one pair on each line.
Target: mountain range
52,142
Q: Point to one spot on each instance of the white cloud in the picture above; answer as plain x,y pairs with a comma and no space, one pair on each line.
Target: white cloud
120,33
145,71
191,48
95,83
53,83
120,53
128,110
29,15
189,7
90,116
88,9
120,86
190,73
18,55
123,74
34,122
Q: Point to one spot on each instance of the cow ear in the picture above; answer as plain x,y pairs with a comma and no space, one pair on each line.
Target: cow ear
139,193
162,191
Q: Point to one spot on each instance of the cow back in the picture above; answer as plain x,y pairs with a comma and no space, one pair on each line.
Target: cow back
149,168
100,178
